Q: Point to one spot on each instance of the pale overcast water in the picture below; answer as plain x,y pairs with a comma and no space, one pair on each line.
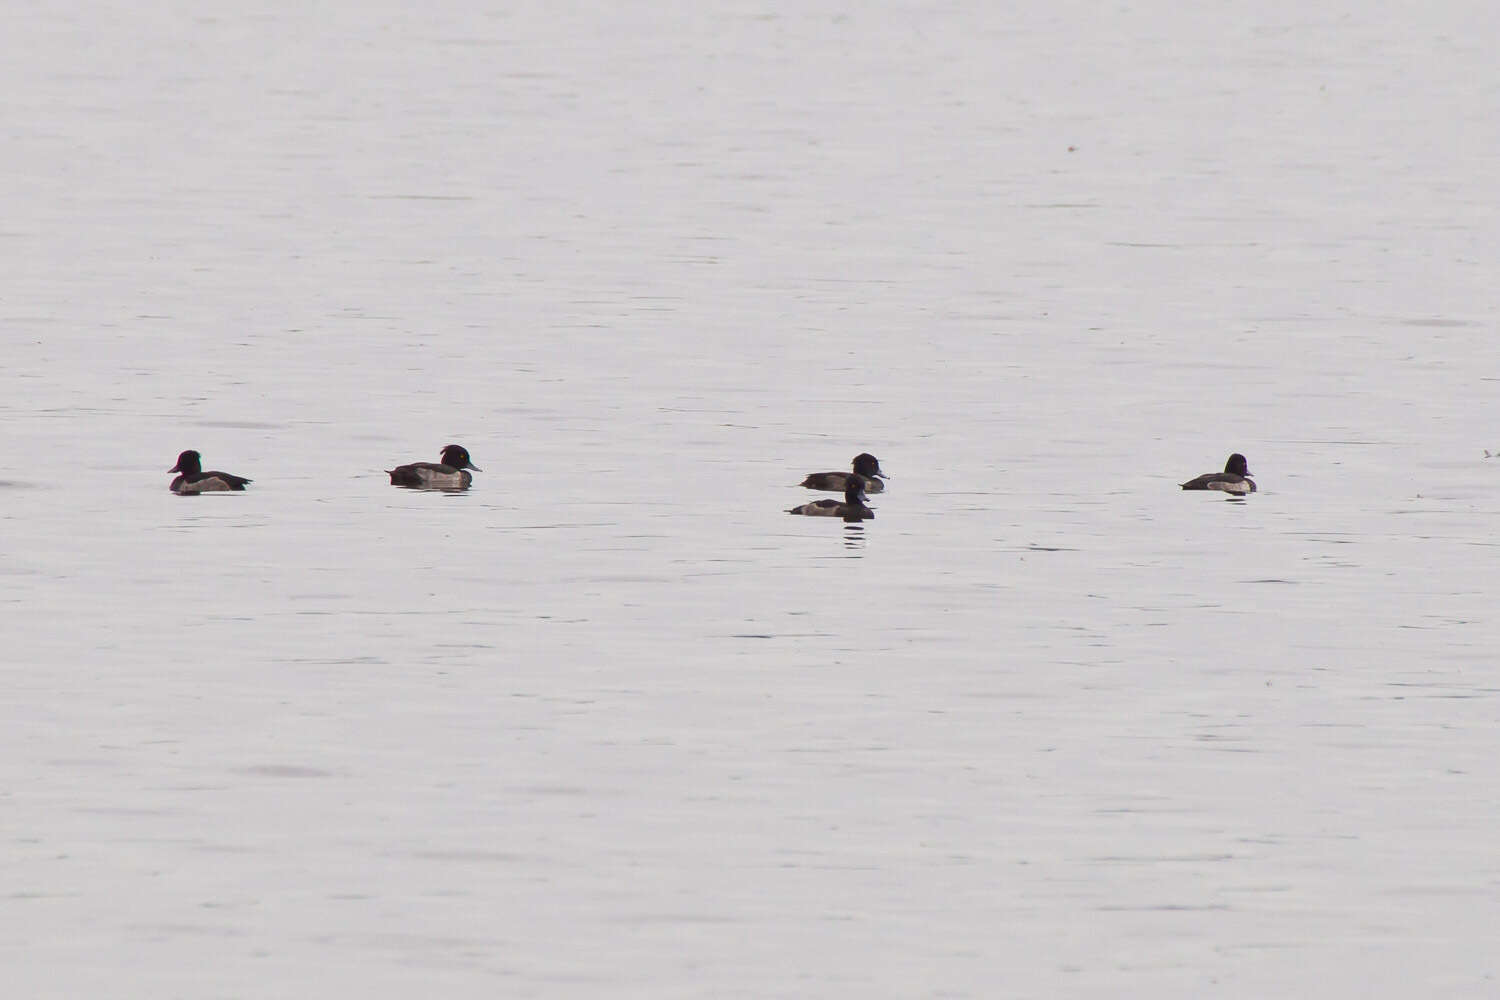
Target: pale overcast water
612,723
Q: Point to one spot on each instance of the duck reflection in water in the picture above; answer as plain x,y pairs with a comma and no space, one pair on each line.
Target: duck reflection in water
852,508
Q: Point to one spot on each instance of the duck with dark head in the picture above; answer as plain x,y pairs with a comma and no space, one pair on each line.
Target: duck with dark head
448,474
1234,480
866,466
193,480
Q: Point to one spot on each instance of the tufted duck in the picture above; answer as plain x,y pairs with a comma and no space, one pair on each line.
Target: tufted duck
865,465
449,475
193,480
1234,479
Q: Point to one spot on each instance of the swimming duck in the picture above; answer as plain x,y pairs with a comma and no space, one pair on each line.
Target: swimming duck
193,480
449,475
864,464
1234,479
852,509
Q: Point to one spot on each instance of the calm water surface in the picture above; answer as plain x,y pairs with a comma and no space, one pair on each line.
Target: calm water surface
612,723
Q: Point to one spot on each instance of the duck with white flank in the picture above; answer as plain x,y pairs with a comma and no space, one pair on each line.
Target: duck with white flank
1235,479
449,474
193,480
866,466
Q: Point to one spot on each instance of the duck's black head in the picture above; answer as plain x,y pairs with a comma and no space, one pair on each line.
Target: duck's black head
868,465
1237,465
455,457
854,491
189,463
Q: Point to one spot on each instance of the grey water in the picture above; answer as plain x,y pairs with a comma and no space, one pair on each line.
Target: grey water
612,723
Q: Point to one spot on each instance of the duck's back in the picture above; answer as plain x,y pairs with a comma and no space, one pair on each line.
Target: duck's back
208,482
1226,482
429,475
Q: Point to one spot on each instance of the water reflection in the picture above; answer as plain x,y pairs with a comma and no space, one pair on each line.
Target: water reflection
854,533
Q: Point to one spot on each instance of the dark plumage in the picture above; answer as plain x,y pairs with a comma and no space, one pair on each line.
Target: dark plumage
1234,479
193,480
447,475
851,509
865,465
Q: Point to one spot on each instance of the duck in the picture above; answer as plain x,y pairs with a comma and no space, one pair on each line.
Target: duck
448,474
193,480
865,465
851,509
1234,479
